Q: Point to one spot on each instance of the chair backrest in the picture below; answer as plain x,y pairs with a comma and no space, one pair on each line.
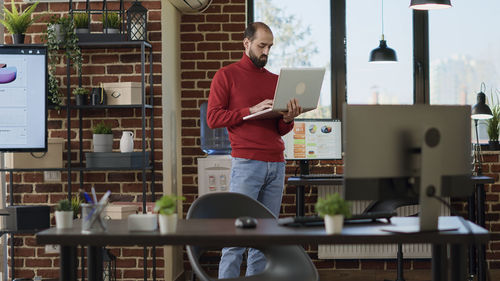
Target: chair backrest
226,205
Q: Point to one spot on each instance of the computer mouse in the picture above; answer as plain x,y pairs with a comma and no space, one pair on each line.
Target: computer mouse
245,222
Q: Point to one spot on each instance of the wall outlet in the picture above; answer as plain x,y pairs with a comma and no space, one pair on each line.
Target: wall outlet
52,176
51,249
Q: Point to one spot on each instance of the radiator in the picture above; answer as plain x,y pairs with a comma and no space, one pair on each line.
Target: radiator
364,251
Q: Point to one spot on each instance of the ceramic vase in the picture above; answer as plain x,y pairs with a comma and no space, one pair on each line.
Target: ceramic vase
64,219
168,223
127,142
334,224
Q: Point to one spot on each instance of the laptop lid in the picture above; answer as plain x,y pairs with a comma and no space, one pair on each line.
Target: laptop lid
303,84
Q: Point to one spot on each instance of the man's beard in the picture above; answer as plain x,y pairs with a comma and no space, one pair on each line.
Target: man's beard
258,62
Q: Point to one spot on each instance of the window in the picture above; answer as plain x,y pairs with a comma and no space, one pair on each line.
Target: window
302,37
464,51
379,83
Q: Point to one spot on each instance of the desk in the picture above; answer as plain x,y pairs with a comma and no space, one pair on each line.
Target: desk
221,232
476,212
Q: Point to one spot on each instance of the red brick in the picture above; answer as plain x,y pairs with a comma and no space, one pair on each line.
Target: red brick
34,198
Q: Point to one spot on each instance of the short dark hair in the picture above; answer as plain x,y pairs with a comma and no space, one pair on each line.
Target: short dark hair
253,27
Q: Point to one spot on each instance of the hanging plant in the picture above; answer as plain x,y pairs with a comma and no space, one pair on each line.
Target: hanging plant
71,51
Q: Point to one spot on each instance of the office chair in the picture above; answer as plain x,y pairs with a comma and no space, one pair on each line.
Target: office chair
284,263
390,205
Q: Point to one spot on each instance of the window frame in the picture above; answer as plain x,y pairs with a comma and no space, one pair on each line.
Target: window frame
339,54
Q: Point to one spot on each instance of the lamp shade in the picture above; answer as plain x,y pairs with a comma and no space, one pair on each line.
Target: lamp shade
383,53
430,4
481,110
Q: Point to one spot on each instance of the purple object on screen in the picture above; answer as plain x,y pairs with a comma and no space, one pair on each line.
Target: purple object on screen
7,74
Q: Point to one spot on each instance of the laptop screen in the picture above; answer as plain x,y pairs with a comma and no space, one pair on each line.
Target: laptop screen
313,139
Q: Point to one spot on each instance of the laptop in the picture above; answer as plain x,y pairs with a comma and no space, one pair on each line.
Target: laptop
304,84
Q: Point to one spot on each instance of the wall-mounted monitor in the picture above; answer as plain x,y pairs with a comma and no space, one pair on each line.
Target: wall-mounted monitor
23,98
314,139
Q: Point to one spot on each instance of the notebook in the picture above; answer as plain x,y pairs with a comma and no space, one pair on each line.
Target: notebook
304,84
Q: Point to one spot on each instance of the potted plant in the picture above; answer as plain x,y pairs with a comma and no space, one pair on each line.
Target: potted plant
111,23
166,207
82,21
81,96
17,22
64,214
333,208
102,138
493,129
75,206
69,44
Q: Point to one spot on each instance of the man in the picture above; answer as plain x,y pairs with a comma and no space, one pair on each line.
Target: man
258,165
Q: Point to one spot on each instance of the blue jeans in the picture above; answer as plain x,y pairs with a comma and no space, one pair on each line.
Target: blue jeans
264,182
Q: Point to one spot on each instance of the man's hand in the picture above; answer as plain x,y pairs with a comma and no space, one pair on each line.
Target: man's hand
261,106
294,110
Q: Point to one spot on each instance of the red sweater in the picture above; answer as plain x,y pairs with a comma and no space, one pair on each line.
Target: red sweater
235,88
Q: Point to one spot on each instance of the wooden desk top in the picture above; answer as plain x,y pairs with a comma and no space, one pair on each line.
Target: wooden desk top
213,232
340,180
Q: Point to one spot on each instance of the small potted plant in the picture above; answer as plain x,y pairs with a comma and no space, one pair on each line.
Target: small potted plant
64,214
81,96
333,209
111,23
166,207
17,22
82,21
75,206
102,138
493,129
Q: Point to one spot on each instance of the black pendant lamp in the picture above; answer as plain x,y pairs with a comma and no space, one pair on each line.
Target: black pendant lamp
383,54
430,4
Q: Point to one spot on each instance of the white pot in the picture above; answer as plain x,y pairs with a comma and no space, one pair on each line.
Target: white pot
334,224
64,219
102,142
168,223
111,31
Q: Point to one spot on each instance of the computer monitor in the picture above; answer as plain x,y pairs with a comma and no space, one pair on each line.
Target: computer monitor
415,151
23,98
314,139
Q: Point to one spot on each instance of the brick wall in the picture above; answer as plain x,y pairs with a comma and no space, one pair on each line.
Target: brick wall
100,65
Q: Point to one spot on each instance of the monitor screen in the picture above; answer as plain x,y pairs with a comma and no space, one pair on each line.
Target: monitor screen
23,98
314,139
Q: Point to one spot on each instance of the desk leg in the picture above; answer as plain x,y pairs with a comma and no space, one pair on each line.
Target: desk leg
68,263
94,263
481,197
458,262
439,272
299,201
472,248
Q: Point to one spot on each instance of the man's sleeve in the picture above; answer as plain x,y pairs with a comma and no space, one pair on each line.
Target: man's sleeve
284,128
218,113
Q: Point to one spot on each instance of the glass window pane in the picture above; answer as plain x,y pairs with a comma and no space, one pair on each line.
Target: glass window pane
379,83
301,38
464,51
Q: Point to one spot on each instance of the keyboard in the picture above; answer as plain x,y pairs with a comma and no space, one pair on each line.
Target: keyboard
319,221
322,176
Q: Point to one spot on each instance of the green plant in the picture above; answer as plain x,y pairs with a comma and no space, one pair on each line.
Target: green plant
64,205
333,204
102,128
71,51
111,20
80,91
167,203
18,21
81,20
493,129
75,206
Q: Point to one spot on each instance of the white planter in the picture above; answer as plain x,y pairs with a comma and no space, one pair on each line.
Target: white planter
102,142
334,224
111,31
168,223
64,219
